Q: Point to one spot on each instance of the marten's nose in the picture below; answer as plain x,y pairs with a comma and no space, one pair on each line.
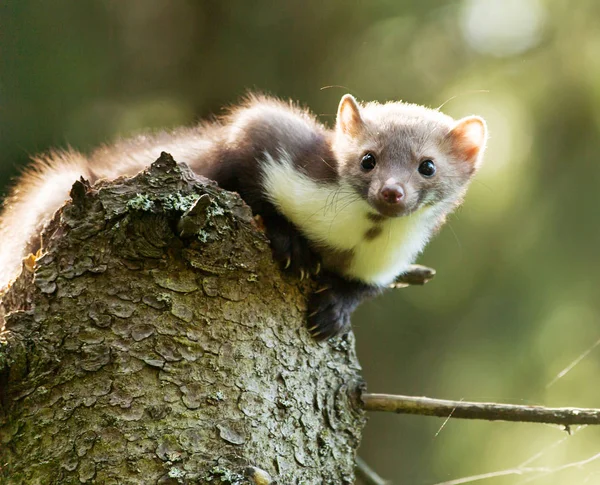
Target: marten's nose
392,193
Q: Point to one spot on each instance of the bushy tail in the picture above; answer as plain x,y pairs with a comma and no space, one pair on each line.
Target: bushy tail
40,191
45,185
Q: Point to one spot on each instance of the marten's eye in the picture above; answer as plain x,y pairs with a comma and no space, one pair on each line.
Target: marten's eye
368,162
427,168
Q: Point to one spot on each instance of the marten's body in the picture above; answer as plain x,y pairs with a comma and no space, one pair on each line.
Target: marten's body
360,201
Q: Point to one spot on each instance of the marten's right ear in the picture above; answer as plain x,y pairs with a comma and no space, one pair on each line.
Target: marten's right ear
348,120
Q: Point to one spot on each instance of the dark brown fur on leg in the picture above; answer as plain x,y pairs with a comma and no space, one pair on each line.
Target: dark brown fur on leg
330,307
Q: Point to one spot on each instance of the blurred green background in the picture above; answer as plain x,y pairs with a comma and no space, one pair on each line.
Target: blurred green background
516,296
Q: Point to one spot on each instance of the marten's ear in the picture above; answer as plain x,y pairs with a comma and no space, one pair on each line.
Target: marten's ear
348,120
468,139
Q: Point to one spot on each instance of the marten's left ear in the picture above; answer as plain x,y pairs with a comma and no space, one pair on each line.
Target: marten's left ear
348,119
468,139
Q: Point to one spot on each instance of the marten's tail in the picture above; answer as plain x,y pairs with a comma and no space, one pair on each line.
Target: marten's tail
45,185
39,192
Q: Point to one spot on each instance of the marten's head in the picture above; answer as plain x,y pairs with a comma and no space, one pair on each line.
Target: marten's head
403,157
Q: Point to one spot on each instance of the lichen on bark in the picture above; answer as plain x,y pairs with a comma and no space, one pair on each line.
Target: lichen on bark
155,341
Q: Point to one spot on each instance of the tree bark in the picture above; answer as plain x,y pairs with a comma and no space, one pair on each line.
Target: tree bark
154,340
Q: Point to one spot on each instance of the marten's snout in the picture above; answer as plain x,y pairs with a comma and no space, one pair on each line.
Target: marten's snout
391,199
392,193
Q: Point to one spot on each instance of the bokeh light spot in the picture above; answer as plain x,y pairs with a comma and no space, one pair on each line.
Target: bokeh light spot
502,27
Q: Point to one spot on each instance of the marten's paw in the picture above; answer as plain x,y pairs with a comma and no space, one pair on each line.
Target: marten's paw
328,315
292,251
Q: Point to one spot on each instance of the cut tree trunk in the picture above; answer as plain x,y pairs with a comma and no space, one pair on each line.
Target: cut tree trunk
154,340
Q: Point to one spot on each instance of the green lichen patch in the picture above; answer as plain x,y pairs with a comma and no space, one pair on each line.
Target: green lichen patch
219,474
141,202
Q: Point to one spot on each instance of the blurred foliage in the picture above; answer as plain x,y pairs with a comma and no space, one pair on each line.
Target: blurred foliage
515,300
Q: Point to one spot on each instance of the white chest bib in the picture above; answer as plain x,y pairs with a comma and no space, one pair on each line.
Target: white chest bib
337,217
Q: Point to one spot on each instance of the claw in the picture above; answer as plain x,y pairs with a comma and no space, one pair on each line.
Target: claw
313,314
287,263
301,274
318,270
321,290
260,222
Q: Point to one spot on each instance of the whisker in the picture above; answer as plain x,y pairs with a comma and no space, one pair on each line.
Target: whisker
473,91
455,237
332,200
329,196
336,198
323,160
342,196
335,86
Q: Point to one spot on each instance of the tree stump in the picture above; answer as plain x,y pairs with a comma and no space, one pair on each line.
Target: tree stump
154,340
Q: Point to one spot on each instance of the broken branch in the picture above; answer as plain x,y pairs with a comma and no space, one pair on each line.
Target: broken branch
442,408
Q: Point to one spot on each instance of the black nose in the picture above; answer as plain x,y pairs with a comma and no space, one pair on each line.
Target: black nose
392,193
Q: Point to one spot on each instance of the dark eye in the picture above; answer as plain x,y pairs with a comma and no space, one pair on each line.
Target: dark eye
368,162
427,168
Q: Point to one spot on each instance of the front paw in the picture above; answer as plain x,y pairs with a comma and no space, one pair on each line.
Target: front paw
293,252
327,315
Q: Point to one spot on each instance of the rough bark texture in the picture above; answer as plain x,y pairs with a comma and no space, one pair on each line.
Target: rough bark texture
155,341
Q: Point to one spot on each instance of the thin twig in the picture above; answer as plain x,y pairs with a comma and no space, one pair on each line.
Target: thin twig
368,475
537,472
570,367
474,410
